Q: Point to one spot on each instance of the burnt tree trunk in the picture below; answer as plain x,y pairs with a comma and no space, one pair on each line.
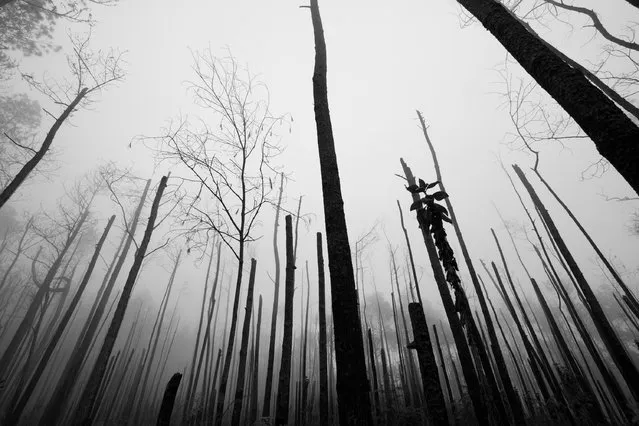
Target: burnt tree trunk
352,381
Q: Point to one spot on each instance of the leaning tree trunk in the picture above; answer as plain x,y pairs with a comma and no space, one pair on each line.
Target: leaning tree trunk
246,331
323,367
613,343
87,399
283,388
166,409
352,380
16,409
613,133
268,390
26,170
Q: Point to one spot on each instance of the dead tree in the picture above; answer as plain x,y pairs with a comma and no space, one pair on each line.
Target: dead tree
352,381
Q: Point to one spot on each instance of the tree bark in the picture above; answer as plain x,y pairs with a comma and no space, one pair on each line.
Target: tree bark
352,381
252,417
87,399
614,134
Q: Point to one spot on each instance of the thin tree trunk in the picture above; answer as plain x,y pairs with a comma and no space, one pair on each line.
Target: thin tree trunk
87,399
246,331
352,380
610,129
24,172
445,372
283,389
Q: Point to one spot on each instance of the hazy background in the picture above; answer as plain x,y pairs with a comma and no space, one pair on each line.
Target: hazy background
385,59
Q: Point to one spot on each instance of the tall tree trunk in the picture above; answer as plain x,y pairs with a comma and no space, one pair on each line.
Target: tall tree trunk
352,381
613,133
323,367
283,388
376,391
166,409
269,390
87,399
246,332
18,407
24,172
613,343
465,358
410,253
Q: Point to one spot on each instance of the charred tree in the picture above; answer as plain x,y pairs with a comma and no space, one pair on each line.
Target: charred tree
352,380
